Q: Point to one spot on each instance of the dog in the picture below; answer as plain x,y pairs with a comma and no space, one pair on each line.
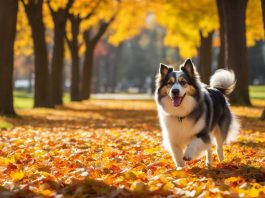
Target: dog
192,114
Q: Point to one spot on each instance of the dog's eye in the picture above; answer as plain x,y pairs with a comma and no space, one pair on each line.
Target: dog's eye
182,82
170,83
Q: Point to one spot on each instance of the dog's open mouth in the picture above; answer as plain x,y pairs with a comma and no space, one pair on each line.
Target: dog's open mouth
177,100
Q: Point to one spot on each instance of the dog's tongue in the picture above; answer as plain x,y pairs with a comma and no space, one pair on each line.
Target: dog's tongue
176,101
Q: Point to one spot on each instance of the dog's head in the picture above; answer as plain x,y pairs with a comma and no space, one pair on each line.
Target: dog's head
179,88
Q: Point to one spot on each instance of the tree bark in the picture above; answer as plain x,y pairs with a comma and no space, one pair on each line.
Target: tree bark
235,12
263,14
91,41
57,64
205,57
59,19
263,115
74,48
222,63
35,17
87,70
113,82
8,19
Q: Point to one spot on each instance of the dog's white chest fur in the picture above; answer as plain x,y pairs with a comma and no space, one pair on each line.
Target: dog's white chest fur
176,132
179,133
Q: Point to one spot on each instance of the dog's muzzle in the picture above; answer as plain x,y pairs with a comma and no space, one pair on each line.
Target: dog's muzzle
177,100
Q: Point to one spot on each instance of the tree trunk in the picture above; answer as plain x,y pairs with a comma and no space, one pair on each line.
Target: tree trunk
91,40
74,48
87,72
222,54
263,13
115,67
263,115
235,12
57,63
75,76
35,17
205,57
59,18
8,19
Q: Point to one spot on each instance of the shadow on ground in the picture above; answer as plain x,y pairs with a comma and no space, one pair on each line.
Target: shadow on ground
248,173
86,188
89,118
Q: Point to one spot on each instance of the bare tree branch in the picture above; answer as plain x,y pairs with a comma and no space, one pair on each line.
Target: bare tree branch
51,10
103,28
92,11
68,41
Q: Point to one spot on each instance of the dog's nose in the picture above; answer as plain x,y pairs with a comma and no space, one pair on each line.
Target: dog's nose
175,91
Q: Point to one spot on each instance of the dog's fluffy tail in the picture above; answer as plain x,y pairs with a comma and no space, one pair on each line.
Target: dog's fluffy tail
223,80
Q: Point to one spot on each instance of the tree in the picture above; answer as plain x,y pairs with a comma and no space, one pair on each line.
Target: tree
118,21
205,57
235,38
262,117
75,18
113,69
263,14
192,33
59,14
34,13
91,39
8,19
74,49
253,28
222,53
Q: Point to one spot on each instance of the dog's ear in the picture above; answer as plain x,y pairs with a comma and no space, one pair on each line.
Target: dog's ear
188,67
164,70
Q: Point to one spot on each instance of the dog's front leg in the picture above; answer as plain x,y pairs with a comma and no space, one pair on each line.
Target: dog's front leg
195,148
177,155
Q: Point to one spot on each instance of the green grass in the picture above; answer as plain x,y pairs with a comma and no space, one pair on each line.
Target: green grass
24,100
5,124
257,92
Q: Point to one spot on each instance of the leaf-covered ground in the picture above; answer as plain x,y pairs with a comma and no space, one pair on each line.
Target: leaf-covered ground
113,149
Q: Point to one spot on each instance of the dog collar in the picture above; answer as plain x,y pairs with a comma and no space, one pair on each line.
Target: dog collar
180,118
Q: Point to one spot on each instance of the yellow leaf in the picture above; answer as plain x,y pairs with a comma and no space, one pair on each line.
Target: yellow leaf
168,186
138,186
6,161
17,176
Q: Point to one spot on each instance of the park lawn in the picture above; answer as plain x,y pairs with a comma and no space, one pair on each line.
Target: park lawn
24,100
5,125
257,92
110,148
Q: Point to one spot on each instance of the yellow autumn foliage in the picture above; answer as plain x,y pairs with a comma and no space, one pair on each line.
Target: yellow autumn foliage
23,42
17,176
182,20
254,23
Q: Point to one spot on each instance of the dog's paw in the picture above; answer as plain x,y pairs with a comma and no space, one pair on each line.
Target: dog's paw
188,155
180,165
179,168
186,158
